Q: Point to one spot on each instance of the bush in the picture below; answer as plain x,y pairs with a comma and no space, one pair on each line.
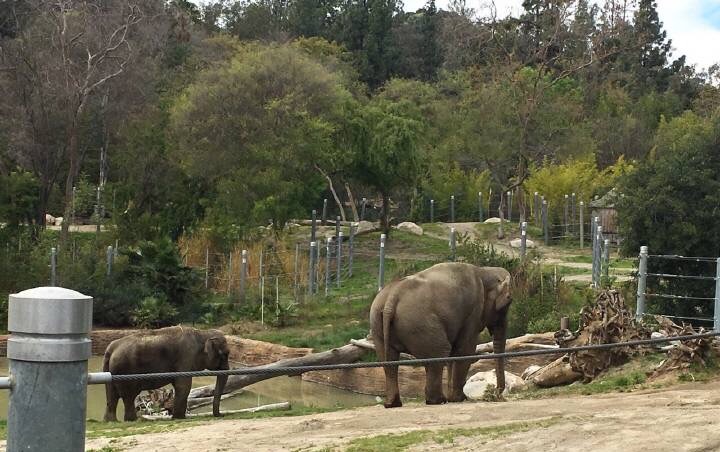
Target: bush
154,312
464,185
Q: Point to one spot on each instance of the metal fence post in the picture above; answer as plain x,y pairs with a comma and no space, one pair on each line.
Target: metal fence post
243,274
606,257
572,212
598,256
567,225
351,250
432,211
536,208
48,349
452,209
109,260
716,311
229,272
480,208
362,209
381,271
207,267
338,257
582,225
523,239
296,271
328,243
313,226
323,219
453,247
546,233
53,266
642,284
311,269
509,206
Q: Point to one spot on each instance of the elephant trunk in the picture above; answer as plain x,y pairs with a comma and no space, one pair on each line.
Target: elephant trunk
499,347
219,389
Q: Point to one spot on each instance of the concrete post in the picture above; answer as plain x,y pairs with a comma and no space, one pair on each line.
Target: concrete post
53,266
453,247
313,226
338,258
480,208
523,239
582,225
48,349
311,268
432,211
362,209
546,232
109,259
243,274
381,271
642,284
452,209
716,311
323,220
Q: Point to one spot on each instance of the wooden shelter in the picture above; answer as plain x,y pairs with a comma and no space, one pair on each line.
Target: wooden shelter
604,208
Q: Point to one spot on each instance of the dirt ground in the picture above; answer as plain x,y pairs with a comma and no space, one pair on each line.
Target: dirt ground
682,418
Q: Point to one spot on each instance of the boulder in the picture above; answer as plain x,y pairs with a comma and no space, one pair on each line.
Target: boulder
49,219
365,226
528,373
410,227
476,385
492,220
58,221
516,243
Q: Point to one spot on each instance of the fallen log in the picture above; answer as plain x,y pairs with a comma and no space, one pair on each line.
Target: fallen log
270,407
345,354
204,401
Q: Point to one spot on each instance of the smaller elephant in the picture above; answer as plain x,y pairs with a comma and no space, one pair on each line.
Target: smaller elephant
171,349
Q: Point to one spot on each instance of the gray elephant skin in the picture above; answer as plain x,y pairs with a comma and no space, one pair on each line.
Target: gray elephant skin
437,313
171,349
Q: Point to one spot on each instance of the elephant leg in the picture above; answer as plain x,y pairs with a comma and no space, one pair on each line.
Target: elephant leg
456,380
129,404
392,390
182,391
449,390
111,396
433,384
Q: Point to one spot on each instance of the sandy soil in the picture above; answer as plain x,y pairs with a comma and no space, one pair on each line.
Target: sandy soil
683,418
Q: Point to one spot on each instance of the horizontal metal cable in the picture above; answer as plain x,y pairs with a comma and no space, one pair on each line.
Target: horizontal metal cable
678,297
665,275
684,258
260,370
702,319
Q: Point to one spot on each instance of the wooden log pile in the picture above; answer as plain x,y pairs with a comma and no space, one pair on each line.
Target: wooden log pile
684,354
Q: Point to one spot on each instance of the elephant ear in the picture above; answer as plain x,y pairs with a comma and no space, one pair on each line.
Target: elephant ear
212,347
502,294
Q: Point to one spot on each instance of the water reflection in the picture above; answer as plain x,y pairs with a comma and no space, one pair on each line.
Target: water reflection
280,389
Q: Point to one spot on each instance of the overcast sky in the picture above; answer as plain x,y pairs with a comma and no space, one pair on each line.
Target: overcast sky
693,25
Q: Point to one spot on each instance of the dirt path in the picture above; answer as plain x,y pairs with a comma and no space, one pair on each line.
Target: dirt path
684,418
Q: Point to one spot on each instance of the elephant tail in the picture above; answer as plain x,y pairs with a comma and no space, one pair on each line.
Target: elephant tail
388,314
106,360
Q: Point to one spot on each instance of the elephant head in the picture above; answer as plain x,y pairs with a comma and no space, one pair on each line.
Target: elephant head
216,356
497,282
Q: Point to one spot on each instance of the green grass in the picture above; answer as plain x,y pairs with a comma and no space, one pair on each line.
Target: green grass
614,263
399,442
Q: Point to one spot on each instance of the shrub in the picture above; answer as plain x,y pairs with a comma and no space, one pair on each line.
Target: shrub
154,312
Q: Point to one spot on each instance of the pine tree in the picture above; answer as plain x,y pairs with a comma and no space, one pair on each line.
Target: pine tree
653,49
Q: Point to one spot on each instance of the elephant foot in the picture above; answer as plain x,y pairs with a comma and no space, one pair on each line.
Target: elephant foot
394,403
457,398
178,416
436,400
108,418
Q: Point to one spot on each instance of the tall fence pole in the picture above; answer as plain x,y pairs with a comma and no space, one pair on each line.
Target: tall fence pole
546,232
582,225
313,226
453,247
432,211
311,268
606,257
381,270
716,311
362,209
642,284
536,208
567,225
296,272
323,219
509,205
243,274
48,349
109,258
53,266
572,213
523,239
351,250
328,244
452,209
480,208
338,257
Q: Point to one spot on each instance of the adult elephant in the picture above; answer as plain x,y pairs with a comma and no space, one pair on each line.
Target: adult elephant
172,349
436,313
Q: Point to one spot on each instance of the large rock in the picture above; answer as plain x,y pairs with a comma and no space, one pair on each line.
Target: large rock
517,242
476,385
530,371
364,227
410,227
49,219
492,220
58,221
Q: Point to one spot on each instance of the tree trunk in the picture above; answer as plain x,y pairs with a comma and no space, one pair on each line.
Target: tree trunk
332,190
353,207
344,354
73,170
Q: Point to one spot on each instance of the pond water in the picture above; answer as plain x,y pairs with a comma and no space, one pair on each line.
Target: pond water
280,389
